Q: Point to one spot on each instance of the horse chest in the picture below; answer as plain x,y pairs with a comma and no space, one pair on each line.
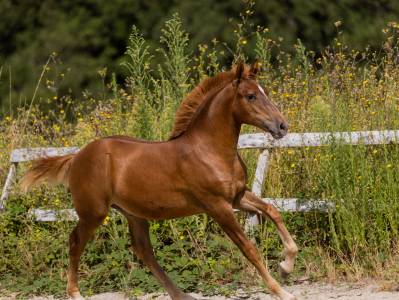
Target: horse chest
231,189
227,182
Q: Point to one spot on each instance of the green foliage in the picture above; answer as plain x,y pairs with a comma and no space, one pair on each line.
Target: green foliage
335,92
157,95
87,36
140,82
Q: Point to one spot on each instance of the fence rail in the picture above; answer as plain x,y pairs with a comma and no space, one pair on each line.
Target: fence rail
314,139
246,141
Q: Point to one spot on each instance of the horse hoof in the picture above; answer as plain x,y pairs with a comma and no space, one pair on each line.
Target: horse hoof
188,297
287,296
76,296
284,273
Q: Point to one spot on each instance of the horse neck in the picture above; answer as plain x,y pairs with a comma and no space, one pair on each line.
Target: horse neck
215,127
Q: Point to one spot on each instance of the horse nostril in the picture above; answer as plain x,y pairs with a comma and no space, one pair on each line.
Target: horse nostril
283,126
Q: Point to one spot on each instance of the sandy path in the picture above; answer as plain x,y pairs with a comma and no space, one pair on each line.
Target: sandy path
304,291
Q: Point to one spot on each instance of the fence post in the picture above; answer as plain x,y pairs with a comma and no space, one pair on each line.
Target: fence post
261,168
8,184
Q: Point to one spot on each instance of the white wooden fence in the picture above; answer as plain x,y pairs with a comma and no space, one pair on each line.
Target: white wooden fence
246,141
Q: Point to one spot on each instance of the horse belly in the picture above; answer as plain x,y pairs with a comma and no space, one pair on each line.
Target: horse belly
151,193
153,206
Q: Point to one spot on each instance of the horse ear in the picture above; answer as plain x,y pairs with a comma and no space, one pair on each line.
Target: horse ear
255,68
239,71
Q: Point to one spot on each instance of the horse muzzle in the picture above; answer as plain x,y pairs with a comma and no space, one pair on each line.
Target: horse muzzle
278,130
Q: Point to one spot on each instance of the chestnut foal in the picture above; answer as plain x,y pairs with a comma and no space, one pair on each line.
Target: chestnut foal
197,171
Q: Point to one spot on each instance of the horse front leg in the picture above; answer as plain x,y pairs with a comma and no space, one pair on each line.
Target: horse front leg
251,203
224,216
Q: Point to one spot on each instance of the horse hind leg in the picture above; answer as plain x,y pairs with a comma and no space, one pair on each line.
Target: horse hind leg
139,232
78,239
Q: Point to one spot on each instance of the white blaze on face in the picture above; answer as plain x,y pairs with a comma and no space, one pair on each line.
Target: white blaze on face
262,90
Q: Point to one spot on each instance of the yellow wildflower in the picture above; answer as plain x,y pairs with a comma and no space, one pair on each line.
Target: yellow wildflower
106,220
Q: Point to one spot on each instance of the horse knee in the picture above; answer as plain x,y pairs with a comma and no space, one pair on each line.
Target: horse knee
292,249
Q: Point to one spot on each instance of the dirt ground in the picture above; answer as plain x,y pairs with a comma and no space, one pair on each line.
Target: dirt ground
306,291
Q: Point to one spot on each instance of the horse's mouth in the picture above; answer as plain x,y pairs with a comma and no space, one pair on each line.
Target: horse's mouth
276,134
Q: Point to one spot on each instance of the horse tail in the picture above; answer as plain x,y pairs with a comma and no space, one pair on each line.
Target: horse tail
54,170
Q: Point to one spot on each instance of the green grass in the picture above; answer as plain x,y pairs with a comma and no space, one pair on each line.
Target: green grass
342,90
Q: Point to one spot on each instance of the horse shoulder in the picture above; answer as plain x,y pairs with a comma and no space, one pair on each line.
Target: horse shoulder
219,178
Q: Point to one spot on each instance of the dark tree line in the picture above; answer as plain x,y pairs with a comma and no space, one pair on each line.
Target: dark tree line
86,36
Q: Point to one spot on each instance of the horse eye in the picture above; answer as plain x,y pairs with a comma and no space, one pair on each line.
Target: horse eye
251,97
